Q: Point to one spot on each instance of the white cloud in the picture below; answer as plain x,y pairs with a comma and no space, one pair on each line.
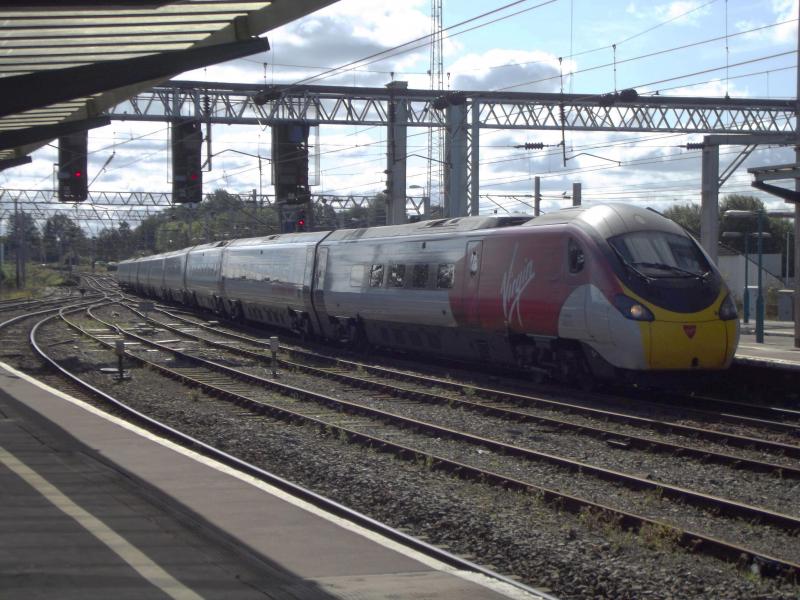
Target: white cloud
634,11
682,12
785,10
499,68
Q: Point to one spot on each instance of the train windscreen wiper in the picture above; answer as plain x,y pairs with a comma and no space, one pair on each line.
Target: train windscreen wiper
629,266
654,265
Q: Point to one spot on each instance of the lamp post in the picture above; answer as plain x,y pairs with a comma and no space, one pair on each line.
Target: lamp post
759,215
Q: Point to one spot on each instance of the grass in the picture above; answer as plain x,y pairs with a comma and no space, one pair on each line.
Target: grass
37,279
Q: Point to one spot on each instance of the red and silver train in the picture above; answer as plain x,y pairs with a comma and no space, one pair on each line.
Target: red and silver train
604,289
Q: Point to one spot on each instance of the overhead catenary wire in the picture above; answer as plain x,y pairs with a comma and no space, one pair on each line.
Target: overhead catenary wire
576,55
423,40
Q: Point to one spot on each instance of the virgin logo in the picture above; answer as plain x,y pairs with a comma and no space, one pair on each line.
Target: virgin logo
690,330
514,283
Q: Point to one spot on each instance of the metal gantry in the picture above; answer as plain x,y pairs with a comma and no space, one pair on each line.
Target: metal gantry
461,114
247,104
110,209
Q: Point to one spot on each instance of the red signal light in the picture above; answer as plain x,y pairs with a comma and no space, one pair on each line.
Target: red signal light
193,176
78,174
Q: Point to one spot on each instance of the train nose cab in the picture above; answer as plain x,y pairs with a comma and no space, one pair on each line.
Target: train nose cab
687,317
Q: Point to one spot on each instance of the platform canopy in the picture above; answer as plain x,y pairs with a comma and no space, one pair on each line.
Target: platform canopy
63,62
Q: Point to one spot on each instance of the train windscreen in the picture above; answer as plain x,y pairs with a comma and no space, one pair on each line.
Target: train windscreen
661,254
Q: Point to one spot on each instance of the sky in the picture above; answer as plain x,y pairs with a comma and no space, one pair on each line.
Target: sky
706,48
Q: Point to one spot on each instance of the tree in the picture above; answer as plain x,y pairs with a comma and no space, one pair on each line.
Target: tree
24,237
63,240
685,215
776,228
688,216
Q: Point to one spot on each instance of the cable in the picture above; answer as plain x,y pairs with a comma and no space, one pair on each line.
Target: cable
752,74
422,41
744,62
650,55
638,162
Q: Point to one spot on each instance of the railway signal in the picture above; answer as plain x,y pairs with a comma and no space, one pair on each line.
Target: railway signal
290,162
300,222
187,174
72,153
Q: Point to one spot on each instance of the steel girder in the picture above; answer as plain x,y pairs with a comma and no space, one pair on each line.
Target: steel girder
113,208
336,105
333,105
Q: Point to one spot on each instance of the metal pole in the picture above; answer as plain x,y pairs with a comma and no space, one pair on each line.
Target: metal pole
797,204
274,346
475,155
396,151
786,275
746,297
537,196
709,203
760,297
17,241
576,194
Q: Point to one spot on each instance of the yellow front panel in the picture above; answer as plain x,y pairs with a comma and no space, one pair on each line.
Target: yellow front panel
673,340
687,345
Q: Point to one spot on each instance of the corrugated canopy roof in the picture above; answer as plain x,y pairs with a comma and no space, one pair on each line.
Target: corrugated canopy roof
62,63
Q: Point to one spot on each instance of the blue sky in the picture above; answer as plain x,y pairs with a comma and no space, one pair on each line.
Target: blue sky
519,53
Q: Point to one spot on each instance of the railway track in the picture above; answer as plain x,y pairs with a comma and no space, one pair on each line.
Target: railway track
697,407
378,428
511,405
72,383
482,533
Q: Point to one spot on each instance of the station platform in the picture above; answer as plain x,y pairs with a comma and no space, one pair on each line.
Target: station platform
777,351
95,508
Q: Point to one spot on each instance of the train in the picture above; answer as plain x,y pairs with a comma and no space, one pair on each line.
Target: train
597,291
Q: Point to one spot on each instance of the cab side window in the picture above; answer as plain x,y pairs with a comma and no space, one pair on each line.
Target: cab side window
575,257
444,276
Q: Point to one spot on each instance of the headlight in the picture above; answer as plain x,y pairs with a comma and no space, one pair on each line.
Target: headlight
631,309
727,310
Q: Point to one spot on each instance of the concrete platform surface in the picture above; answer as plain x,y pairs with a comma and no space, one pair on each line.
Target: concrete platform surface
777,349
95,508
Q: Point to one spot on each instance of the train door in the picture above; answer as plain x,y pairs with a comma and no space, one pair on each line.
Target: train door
318,286
471,283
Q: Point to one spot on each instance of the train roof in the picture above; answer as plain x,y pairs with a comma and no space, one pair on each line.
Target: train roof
433,226
281,238
609,219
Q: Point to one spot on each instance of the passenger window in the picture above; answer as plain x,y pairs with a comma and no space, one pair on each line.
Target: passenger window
444,277
376,276
397,275
419,276
575,257
356,275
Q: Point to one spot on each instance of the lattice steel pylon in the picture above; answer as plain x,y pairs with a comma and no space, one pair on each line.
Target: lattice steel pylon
435,173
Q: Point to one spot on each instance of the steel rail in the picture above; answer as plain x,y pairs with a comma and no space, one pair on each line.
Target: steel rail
768,565
724,506
306,494
629,440
732,439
